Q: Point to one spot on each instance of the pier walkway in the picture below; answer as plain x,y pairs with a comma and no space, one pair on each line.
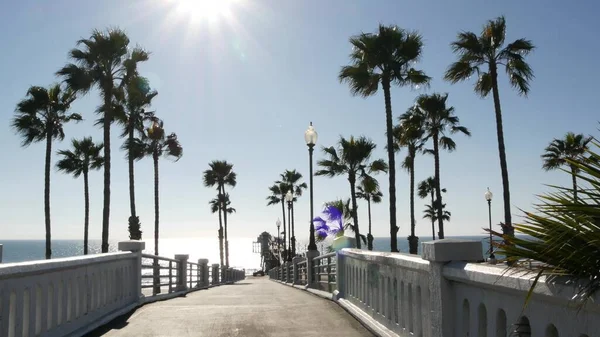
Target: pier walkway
253,307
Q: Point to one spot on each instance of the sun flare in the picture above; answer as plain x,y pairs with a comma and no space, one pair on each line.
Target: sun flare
205,9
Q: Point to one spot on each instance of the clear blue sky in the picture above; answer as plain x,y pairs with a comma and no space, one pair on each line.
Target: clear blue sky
243,87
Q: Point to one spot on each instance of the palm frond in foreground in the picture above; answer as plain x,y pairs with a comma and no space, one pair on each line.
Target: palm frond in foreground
563,234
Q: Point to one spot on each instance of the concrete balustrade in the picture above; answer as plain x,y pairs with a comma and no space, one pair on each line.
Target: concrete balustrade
444,293
73,296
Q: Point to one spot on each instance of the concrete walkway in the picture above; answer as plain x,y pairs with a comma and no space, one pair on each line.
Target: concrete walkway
253,307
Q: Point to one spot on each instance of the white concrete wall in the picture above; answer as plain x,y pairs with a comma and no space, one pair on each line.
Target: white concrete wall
392,288
63,297
485,294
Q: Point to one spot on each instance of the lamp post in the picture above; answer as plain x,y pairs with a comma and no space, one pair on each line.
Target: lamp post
488,196
278,224
311,136
289,197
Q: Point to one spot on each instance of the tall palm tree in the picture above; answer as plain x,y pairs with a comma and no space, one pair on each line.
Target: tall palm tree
84,156
430,212
104,61
369,191
482,56
427,188
155,144
40,117
385,57
291,179
278,191
409,134
437,120
216,205
133,115
351,158
564,152
220,174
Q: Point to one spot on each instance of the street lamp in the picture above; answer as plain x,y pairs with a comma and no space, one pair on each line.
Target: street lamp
488,196
278,224
311,136
289,197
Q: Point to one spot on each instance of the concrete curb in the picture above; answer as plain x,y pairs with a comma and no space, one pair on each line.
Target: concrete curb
365,319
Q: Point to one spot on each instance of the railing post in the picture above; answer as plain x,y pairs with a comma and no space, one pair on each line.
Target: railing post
340,275
128,246
0,253
311,280
438,253
181,271
296,275
203,267
229,272
215,274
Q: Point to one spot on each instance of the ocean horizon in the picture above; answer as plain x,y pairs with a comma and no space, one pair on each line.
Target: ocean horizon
241,254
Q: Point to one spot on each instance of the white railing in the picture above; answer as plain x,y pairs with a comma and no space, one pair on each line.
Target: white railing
73,296
391,288
445,293
66,296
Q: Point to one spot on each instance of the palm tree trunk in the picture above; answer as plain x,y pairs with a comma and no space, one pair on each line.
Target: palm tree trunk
369,236
286,233
354,210
508,228
293,233
86,222
432,219
391,163
156,209
438,190
413,242
134,223
221,251
225,231
47,193
574,177
108,94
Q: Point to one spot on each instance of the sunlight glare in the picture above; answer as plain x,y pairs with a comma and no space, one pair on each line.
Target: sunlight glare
205,9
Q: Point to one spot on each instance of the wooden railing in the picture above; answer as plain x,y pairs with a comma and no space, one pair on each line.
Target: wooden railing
159,273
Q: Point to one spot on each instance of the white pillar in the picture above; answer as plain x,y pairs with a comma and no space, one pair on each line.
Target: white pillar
296,272
182,284
311,280
203,266
340,276
215,274
136,247
438,253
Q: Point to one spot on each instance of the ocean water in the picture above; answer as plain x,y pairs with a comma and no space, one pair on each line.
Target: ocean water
241,254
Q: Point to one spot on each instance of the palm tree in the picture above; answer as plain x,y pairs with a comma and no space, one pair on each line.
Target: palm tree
154,144
437,120
564,152
216,206
430,212
106,62
291,179
220,174
351,158
426,188
278,191
385,57
84,157
482,55
369,191
40,117
409,134
133,115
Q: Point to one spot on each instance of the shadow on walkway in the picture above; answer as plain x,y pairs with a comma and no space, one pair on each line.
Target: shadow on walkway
260,308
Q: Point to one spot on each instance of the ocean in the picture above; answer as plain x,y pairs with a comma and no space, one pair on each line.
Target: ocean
241,254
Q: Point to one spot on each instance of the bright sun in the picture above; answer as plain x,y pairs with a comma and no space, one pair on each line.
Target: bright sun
207,9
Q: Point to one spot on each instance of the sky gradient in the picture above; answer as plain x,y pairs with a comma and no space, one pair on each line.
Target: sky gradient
244,86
